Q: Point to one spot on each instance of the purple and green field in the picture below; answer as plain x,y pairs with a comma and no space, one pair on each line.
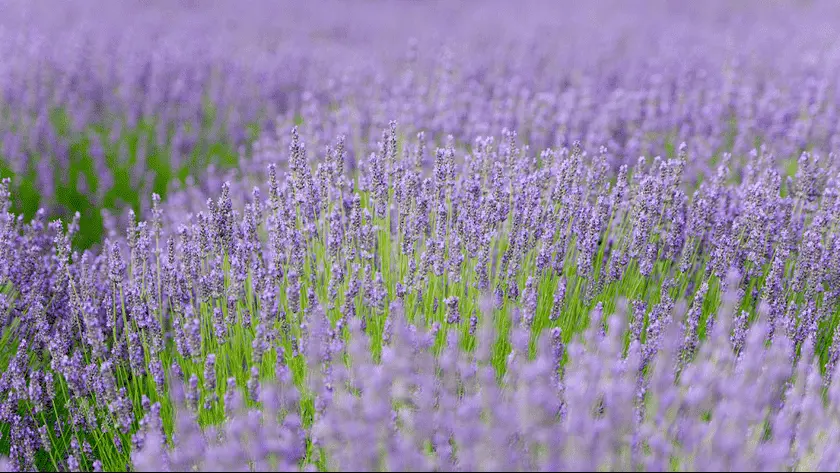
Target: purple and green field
419,236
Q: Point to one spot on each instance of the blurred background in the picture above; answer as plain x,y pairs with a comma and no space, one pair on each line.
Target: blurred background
104,103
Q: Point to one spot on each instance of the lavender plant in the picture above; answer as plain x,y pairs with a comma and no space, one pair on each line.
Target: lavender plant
457,265
97,115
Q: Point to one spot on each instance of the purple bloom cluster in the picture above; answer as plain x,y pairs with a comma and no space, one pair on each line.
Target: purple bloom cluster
706,78
415,411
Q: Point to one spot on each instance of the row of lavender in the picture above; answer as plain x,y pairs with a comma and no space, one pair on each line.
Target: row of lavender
110,113
417,321
425,293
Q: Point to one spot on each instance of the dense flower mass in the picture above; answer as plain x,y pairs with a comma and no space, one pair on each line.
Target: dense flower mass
606,237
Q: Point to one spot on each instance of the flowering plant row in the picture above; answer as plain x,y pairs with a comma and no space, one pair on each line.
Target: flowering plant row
542,256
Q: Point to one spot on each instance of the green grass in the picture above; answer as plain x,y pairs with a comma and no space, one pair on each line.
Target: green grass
69,197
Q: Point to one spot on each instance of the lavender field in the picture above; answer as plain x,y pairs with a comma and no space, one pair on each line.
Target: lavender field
328,236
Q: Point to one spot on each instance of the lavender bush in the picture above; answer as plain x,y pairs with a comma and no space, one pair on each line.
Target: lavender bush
533,248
